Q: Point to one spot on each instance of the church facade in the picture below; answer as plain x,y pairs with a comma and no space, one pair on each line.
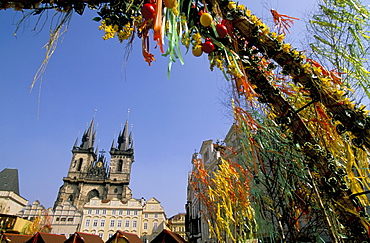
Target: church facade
90,175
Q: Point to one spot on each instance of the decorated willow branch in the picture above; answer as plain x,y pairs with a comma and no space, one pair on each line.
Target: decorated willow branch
277,91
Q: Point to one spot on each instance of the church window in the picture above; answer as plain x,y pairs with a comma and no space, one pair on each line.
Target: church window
89,211
115,190
95,223
119,223
206,157
127,223
79,164
145,225
70,198
119,165
87,223
113,212
134,224
111,223
102,223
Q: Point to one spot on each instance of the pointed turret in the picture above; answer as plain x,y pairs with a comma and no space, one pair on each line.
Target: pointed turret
123,141
75,144
88,137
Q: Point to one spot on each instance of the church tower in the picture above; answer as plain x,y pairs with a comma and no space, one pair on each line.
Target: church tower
90,175
122,157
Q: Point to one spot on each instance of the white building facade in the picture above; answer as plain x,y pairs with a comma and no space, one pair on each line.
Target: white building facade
104,217
11,203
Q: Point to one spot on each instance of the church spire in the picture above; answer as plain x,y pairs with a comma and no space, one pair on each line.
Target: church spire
123,139
88,137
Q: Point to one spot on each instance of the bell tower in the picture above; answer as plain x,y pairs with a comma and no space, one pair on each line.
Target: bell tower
122,157
83,159
83,155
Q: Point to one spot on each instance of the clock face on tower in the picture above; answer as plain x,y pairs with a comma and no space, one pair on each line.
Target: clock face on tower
99,164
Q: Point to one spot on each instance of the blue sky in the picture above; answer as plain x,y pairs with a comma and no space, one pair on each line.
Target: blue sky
169,117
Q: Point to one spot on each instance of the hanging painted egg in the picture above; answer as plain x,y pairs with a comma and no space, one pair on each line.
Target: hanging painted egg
221,30
148,10
206,19
197,50
208,46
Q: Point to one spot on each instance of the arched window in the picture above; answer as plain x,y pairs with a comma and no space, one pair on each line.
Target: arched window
70,198
119,165
79,164
92,193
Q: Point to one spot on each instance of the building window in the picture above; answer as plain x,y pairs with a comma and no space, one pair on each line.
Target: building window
128,212
155,215
87,223
95,223
111,223
102,223
101,235
127,223
89,211
119,165
119,223
97,211
104,211
70,220
110,235
57,219
152,207
79,164
120,212
63,219
155,226
113,212
134,224
145,225
135,212
146,215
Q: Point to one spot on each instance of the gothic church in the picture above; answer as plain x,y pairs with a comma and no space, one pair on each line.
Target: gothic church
90,175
